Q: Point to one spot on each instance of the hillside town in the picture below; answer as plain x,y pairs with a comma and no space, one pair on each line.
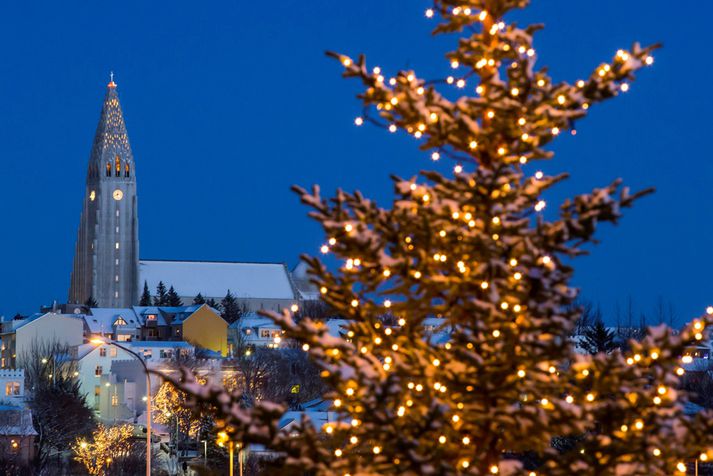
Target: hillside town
433,316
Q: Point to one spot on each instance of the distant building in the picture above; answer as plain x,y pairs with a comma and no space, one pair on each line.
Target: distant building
198,324
18,336
256,285
114,382
12,386
17,436
106,259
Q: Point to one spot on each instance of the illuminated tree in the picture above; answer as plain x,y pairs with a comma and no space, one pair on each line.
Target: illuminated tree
170,408
107,447
498,381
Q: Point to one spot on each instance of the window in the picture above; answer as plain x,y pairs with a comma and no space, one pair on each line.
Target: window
121,338
117,166
126,170
166,354
116,294
116,245
102,351
119,321
148,353
98,371
117,212
151,317
265,333
12,389
116,261
115,400
108,169
117,229
112,352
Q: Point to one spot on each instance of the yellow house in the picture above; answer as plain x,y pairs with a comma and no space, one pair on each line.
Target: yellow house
204,328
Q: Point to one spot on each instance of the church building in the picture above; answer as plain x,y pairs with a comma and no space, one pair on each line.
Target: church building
107,269
106,260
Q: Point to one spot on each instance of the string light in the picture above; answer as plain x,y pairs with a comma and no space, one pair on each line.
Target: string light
359,121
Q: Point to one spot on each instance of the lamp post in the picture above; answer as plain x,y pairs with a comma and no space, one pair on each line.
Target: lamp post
222,439
100,341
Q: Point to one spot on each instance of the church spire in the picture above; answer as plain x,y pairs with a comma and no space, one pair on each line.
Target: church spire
111,152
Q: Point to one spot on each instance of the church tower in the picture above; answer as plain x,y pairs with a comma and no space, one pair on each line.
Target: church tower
106,260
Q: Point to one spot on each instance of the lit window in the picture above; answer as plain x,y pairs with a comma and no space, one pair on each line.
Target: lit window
117,229
116,278
116,294
117,212
119,322
12,389
112,351
108,169
115,400
126,171
116,262
117,166
116,245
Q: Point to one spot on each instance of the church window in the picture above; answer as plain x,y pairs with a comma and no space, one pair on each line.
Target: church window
108,169
126,171
117,166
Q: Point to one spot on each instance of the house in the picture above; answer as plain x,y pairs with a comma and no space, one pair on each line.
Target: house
17,435
19,336
12,386
256,285
252,331
198,324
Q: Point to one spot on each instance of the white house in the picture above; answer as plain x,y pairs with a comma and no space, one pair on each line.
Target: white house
18,336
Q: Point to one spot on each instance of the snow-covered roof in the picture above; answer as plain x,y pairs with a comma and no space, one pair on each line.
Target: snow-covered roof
164,344
102,319
253,320
215,278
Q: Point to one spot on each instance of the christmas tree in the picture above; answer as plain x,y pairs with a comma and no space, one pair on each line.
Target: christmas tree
458,358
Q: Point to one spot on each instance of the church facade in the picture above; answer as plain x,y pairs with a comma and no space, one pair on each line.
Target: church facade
106,260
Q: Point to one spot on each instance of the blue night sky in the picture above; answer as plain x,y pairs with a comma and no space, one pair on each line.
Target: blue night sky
228,106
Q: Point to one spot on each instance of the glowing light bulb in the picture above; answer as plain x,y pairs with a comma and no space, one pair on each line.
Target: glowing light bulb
429,13
392,128
359,121
458,169
460,83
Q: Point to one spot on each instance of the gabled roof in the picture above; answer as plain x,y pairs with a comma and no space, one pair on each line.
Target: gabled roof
215,278
102,319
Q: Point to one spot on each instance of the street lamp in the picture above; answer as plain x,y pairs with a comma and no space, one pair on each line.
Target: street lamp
100,341
222,439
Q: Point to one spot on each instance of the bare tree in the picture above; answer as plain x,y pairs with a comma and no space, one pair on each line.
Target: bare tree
59,410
